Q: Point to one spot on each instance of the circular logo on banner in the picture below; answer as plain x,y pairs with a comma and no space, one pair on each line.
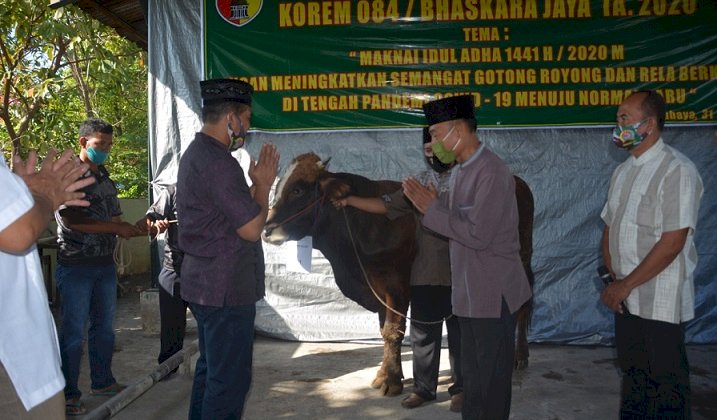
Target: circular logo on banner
239,12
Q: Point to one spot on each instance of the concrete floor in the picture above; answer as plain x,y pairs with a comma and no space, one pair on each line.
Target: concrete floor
331,380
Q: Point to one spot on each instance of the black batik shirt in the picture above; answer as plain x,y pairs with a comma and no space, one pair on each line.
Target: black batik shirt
85,249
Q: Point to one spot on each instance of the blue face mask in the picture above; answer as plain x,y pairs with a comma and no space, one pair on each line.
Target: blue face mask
97,156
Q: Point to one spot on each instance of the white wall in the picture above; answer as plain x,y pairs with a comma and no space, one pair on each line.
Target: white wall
136,250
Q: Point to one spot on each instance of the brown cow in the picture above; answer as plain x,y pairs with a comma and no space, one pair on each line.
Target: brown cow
525,231
364,249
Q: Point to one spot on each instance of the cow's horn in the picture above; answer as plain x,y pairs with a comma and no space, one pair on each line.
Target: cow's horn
324,163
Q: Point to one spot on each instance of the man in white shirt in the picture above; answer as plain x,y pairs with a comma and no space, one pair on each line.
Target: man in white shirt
648,246
31,382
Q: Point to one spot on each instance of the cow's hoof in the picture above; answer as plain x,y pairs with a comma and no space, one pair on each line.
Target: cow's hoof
391,390
521,364
378,381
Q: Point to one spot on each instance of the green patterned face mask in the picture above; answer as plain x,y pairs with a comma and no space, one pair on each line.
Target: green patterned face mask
627,137
439,151
236,140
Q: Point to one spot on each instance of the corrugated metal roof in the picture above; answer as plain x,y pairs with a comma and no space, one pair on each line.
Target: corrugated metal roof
127,17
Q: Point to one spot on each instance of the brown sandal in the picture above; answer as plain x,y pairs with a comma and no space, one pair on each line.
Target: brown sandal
75,407
109,391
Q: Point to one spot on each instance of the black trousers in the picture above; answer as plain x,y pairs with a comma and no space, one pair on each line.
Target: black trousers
655,371
488,349
429,305
173,319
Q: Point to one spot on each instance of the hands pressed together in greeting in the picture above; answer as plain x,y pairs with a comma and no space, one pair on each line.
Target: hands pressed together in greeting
263,171
421,196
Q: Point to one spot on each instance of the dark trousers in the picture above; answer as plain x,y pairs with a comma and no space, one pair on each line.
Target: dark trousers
172,318
429,305
223,373
487,349
655,371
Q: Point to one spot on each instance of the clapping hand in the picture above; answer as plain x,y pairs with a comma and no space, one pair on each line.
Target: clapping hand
58,180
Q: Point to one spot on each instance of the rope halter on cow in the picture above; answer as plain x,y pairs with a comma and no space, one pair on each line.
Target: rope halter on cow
321,200
365,275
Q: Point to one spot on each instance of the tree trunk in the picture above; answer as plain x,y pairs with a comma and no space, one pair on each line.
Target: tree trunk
84,90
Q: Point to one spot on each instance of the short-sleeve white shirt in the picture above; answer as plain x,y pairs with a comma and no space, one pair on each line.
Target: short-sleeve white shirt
658,192
29,350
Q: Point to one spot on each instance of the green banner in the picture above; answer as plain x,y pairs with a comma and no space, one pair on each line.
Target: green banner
366,64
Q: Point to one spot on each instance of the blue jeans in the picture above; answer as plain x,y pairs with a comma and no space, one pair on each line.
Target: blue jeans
87,293
223,372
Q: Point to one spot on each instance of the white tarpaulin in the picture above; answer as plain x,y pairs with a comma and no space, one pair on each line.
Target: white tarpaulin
568,171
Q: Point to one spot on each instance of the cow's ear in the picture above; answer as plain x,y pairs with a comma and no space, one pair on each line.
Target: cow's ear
324,164
334,188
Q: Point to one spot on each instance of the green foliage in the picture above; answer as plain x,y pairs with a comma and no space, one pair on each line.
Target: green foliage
60,67
129,169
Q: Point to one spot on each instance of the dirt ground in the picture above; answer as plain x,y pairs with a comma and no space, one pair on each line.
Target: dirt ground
331,380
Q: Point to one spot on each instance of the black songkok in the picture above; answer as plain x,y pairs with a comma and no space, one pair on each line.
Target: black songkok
448,109
216,91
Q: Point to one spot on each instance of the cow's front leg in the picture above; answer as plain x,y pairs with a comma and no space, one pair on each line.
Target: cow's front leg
390,377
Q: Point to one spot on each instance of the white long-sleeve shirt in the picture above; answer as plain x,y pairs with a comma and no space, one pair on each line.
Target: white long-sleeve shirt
29,350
